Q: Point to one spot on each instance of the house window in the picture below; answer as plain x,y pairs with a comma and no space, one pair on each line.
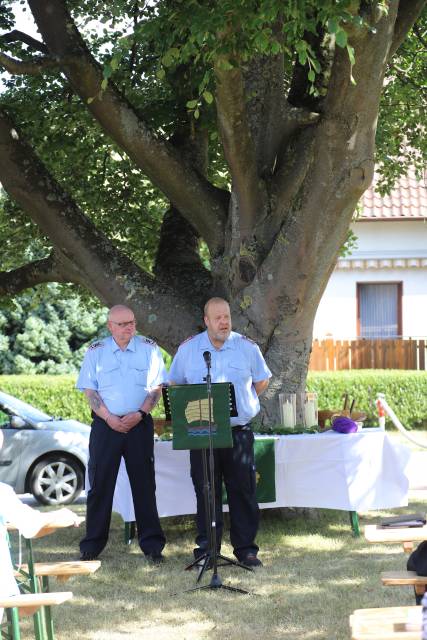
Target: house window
379,307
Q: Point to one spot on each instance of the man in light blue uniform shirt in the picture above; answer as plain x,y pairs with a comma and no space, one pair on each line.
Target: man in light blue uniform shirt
122,376
238,360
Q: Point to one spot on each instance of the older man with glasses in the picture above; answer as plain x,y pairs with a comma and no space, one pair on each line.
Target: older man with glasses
122,376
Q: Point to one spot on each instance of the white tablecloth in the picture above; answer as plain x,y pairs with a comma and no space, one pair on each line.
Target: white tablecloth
353,472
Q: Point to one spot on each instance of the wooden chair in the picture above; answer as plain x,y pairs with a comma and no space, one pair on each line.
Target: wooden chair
28,604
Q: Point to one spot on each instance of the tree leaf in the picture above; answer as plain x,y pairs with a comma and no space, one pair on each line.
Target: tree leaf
341,38
208,97
350,51
333,25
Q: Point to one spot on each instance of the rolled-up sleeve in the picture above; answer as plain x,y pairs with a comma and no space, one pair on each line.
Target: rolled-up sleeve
157,374
87,376
260,371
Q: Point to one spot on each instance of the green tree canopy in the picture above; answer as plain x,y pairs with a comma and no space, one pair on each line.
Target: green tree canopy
160,153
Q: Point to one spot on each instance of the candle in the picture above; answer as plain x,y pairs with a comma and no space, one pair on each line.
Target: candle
310,413
288,415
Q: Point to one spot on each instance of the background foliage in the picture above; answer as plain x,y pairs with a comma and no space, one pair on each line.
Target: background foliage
406,391
161,56
48,331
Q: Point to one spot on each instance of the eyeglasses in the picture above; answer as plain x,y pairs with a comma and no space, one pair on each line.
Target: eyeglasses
123,325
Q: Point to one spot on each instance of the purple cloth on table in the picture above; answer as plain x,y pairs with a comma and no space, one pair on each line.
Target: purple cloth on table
341,424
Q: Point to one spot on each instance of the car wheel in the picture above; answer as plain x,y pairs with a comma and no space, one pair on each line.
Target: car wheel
56,480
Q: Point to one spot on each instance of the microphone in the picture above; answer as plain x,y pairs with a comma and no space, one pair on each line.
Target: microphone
207,358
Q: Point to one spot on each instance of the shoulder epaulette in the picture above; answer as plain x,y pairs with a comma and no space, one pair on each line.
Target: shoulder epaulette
96,345
148,340
187,340
248,339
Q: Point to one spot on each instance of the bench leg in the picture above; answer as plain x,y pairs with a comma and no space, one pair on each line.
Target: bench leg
47,611
13,623
354,521
129,532
39,631
49,623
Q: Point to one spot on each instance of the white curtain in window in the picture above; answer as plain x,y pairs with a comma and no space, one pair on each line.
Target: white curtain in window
378,310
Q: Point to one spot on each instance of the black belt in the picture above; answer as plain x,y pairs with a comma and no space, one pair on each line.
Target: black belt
242,427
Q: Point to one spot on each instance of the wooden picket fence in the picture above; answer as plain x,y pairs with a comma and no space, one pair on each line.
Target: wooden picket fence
363,353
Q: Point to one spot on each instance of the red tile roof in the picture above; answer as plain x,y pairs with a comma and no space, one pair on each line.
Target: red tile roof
407,201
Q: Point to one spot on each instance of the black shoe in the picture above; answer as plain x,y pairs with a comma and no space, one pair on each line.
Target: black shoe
155,557
86,556
198,552
251,560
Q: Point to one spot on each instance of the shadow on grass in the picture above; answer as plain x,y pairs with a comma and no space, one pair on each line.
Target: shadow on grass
315,574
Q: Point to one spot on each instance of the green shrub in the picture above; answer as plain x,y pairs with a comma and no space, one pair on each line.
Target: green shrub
405,391
56,395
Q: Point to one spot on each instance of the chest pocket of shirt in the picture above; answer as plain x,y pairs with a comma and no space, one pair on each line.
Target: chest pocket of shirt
239,371
140,375
108,375
195,375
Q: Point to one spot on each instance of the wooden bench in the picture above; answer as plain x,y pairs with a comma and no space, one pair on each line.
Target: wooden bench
399,578
389,623
62,571
28,604
407,536
41,572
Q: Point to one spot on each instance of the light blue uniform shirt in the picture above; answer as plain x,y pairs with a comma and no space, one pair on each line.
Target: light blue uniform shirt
239,361
122,378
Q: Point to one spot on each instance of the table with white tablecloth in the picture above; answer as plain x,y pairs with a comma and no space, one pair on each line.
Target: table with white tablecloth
354,472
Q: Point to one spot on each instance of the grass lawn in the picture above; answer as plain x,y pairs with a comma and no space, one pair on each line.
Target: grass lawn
315,574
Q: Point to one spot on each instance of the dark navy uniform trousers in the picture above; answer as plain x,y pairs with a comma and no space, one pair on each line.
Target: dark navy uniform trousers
236,466
106,448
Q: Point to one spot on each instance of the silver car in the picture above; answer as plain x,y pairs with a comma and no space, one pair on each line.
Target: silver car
42,455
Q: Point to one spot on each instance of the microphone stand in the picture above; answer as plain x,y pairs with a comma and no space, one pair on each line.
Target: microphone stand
209,559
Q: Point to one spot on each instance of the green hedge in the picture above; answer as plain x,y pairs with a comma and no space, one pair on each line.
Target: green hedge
55,395
406,392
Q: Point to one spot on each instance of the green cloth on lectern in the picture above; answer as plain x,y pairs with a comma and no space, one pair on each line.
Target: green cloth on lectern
265,463
190,416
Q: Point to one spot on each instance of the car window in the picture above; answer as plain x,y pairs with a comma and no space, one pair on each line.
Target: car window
4,420
22,409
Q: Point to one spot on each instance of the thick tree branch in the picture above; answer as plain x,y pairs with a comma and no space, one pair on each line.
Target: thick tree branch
239,147
180,182
178,260
30,68
332,177
30,275
263,78
86,255
408,12
20,36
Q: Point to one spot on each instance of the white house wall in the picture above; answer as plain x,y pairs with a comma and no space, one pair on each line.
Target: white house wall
394,237
387,251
